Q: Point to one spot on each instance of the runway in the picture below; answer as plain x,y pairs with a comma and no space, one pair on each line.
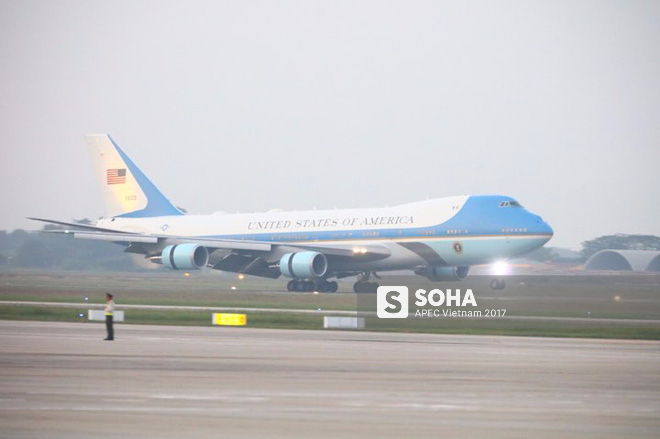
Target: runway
62,380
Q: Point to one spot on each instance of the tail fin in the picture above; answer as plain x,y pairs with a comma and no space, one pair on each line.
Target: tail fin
127,191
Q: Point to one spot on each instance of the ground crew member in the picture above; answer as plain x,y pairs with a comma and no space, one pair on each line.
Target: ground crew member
109,315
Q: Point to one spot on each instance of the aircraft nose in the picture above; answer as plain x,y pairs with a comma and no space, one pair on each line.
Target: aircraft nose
544,228
548,231
539,227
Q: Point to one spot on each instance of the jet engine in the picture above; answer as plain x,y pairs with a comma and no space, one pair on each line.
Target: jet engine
185,257
444,274
304,265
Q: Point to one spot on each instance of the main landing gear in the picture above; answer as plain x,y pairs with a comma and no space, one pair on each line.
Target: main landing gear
364,286
307,286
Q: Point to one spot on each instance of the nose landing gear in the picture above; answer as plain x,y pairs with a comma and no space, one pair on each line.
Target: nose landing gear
497,284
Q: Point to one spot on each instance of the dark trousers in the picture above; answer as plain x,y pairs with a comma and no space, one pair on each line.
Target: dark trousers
108,326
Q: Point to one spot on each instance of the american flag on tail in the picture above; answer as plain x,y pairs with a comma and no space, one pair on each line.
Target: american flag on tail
116,176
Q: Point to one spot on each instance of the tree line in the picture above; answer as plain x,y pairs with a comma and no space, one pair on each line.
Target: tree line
51,251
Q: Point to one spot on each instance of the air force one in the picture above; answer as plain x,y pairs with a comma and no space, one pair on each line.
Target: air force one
439,239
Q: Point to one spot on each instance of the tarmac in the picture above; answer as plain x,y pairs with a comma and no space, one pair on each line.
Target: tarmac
62,380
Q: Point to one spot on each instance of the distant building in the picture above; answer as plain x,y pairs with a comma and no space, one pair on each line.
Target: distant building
625,260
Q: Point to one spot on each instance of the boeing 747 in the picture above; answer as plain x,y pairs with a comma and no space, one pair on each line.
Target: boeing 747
439,238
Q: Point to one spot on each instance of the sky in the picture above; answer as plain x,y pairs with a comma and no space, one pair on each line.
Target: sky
243,106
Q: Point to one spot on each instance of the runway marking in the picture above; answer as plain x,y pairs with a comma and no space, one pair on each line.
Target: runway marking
125,400
166,410
211,398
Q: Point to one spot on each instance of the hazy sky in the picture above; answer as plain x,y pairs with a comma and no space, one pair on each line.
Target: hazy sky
249,105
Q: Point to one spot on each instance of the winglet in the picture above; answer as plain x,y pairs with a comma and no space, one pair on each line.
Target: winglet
127,191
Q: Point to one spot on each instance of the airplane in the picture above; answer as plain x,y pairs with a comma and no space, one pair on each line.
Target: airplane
438,239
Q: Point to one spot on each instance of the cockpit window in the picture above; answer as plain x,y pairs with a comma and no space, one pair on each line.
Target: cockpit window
510,204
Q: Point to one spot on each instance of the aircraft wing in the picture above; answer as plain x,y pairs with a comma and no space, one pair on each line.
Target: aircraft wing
363,252
85,231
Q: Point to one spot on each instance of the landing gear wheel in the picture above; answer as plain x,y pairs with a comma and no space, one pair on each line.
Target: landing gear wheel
497,284
326,287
